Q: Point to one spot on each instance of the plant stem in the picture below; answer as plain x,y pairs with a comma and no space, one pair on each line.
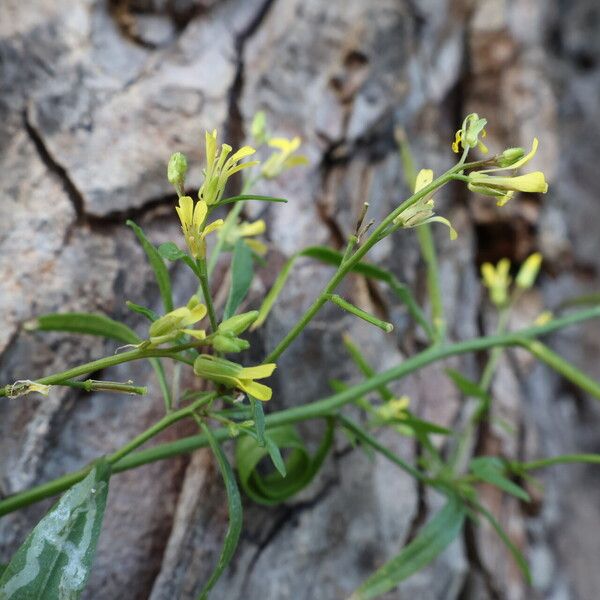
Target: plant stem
204,284
434,290
346,266
111,361
318,409
62,483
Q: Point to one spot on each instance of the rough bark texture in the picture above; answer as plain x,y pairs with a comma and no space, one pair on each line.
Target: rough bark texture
95,95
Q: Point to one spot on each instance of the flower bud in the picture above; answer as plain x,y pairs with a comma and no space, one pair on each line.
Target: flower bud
509,157
529,271
238,323
176,171
229,343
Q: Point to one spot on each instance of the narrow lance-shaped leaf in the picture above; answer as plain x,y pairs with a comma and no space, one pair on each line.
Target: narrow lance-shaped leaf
491,470
516,553
56,558
234,506
241,277
158,266
435,536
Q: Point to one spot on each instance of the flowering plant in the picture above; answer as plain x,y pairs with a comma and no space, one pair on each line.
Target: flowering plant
228,403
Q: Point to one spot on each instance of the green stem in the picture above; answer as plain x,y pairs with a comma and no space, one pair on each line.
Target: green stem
111,361
346,266
203,276
559,460
92,385
56,486
563,367
361,314
230,221
434,290
320,408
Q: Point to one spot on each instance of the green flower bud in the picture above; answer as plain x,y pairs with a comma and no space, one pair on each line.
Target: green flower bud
238,323
176,171
510,156
259,127
229,343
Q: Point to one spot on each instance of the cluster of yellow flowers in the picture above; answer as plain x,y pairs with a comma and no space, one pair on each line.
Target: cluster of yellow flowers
221,165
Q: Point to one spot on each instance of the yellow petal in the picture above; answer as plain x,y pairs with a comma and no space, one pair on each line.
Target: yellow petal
199,334
424,178
488,273
241,166
185,210
200,211
212,227
211,148
256,228
258,372
284,144
258,390
242,153
258,247
457,140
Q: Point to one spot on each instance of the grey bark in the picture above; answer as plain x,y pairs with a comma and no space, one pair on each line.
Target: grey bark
94,96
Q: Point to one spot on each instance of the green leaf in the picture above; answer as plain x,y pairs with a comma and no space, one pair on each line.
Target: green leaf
171,251
56,558
244,197
2,569
86,323
275,455
435,536
365,438
423,427
491,470
158,266
234,507
300,466
102,326
241,277
516,553
334,258
258,413
466,386
142,310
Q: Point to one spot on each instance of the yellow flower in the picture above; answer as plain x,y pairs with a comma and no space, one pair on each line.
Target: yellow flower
220,167
234,375
504,188
394,409
543,318
422,211
176,322
246,230
284,158
468,135
497,279
192,219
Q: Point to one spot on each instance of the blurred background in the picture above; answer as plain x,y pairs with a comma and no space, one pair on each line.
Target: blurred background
96,95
